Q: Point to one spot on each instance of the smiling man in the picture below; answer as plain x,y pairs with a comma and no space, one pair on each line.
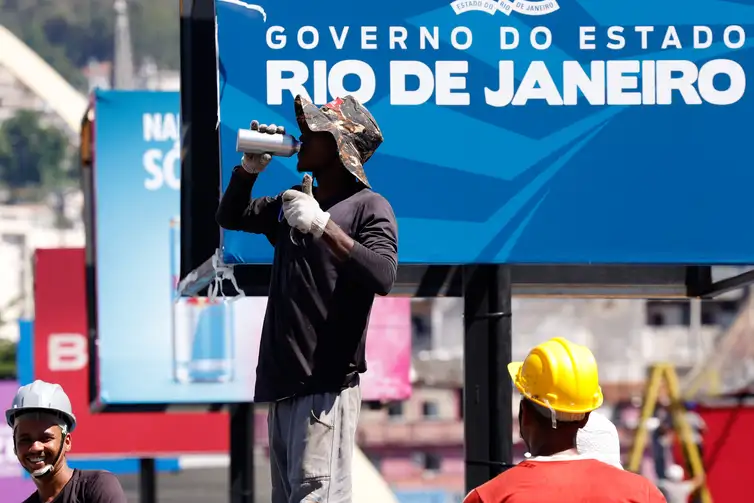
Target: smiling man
42,422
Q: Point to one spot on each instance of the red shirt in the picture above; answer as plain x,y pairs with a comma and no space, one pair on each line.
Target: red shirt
572,481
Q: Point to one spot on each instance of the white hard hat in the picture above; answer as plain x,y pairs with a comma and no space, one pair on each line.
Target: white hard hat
599,440
674,473
42,397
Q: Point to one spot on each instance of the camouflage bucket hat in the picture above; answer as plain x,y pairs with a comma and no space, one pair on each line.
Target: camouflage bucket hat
353,127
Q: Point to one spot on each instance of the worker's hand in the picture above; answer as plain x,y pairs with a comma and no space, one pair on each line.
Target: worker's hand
302,212
255,163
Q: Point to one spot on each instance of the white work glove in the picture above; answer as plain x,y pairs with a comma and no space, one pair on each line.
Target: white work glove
255,163
302,212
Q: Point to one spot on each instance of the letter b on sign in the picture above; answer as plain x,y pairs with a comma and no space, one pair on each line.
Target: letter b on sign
66,352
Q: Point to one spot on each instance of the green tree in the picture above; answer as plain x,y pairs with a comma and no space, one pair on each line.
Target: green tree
27,20
8,348
32,154
7,360
155,31
69,33
4,148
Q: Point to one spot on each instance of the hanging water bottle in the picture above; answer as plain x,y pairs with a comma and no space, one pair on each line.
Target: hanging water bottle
203,336
202,330
249,141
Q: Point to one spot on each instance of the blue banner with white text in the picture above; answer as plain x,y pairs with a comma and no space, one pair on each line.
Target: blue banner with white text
152,347
517,131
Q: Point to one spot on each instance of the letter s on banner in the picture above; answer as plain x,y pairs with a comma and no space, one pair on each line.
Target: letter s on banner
152,160
67,352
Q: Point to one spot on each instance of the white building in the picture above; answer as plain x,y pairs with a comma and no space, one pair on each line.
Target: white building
626,335
23,229
27,82
149,76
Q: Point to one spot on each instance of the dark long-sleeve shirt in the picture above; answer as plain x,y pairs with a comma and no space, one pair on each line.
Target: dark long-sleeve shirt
314,333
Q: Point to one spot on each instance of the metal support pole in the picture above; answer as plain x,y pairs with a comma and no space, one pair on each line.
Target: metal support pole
147,481
242,453
488,418
200,155
696,342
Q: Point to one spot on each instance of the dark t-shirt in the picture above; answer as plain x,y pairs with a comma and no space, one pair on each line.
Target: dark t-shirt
88,486
314,334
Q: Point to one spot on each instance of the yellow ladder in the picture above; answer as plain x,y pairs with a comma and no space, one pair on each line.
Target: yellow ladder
660,372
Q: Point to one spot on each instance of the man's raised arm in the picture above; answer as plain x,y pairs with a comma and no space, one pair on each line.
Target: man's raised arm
237,210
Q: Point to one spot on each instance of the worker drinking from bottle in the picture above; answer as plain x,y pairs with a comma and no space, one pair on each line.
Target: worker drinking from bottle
559,388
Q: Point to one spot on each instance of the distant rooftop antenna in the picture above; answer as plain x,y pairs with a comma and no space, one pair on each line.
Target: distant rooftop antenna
123,64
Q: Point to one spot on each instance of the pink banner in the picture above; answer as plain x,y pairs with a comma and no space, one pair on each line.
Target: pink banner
13,486
388,345
388,351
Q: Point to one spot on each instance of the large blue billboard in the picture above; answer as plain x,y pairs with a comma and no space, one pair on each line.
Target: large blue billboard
153,348
517,131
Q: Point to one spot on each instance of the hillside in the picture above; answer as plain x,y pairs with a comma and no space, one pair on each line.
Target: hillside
70,33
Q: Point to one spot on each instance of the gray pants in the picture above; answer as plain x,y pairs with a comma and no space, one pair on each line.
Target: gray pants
311,447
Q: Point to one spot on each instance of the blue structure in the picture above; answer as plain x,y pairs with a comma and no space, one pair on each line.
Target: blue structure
135,198
536,132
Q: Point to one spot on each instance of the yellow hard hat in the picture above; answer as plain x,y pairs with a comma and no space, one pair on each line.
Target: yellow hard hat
559,375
